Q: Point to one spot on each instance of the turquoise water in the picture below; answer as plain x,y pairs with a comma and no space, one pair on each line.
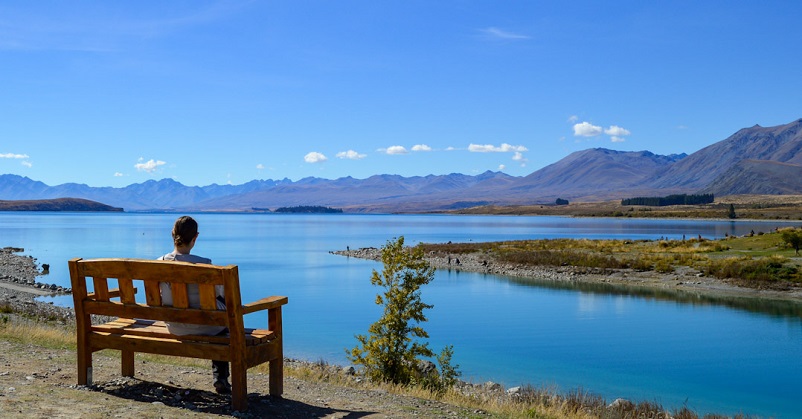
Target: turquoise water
723,356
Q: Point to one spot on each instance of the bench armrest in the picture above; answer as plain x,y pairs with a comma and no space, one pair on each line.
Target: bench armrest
264,304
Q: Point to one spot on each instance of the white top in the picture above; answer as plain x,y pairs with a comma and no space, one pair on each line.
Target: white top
193,295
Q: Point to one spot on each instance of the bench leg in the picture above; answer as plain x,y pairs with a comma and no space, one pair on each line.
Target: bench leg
127,363
276,377
239,386
84,366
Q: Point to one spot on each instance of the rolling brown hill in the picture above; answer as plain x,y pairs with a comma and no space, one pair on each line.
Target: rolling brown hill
60,204
758,177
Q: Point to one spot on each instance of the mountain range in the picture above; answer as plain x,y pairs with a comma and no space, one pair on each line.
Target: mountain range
756,160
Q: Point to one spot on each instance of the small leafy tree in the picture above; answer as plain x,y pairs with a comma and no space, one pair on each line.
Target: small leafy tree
793,238
731,212
392,349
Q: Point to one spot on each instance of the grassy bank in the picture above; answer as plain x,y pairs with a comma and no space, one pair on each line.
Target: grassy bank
760,260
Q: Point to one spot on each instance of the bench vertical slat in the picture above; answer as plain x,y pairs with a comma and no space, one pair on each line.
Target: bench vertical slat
180,297
101,288
82,322
208,299
127,296
152,294
127,293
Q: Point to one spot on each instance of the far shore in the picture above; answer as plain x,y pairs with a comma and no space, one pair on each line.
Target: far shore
683,281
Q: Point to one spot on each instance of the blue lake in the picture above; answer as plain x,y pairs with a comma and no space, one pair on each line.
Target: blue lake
722,356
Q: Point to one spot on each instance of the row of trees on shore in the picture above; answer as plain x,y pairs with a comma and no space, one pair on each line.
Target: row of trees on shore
661,201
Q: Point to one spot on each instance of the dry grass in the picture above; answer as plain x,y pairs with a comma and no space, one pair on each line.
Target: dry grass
35,333
752,261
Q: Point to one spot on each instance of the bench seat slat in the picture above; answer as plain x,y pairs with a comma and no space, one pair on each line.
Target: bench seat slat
180,315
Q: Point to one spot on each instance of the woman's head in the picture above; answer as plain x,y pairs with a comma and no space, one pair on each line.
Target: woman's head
184,231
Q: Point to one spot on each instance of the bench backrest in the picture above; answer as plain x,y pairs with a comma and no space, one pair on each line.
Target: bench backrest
130,273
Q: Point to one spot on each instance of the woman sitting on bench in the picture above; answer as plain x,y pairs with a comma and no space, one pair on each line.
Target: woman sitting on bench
185,233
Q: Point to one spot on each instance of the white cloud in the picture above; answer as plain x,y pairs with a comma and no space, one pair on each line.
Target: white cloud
449,148
617,139
118,174
396,149
26,163
351,155
149,166
616,131
519,157
13,156
586,129
260,166
315,157
501,167
488,148
421,147
573,119
496,33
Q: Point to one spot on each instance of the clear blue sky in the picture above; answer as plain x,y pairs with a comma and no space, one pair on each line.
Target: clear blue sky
111,93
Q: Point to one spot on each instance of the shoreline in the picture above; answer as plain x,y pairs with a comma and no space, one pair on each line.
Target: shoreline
19,288
23,297
684,281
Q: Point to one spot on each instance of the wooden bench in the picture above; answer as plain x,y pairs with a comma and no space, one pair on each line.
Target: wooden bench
140,326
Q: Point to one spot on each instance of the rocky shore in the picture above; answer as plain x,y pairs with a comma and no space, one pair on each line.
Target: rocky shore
19,286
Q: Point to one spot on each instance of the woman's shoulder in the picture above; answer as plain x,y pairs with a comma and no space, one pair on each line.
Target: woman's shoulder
186,258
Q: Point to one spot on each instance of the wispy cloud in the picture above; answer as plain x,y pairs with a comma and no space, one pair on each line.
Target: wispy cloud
13,156
396,149
260,166
71,29
149,166
118,174
351,155
497,33
315,157
586,129
489,148
421,147
616,131
26,163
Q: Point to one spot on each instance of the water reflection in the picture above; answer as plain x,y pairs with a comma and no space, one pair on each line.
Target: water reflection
772,307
